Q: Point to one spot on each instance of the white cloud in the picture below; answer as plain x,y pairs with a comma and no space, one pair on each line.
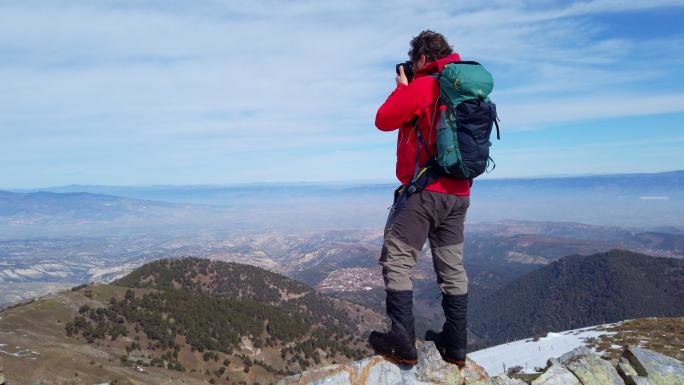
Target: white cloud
537,113
201,77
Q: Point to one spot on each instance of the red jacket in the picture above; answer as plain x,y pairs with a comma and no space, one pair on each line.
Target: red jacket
405,103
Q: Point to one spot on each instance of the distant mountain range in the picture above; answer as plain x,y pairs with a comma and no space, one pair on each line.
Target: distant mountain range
578,291
648,183
643,200
78,205
44,213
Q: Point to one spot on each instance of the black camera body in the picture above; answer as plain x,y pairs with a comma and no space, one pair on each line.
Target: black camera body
408,69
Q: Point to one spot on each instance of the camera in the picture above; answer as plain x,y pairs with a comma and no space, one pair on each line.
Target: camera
407,69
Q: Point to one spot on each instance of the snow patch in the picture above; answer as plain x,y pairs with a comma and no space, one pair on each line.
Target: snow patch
10,274
29,273
530,354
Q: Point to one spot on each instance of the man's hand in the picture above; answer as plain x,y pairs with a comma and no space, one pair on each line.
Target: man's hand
401,78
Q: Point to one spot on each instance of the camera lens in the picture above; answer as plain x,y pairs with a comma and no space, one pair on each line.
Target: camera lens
407,68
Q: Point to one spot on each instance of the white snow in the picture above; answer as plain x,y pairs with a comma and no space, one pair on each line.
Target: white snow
10,273
51,269
530,354
97,273
29,272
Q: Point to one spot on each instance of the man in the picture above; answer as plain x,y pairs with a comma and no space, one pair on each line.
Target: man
436,213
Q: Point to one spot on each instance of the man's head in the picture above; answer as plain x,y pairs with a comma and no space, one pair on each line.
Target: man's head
426,47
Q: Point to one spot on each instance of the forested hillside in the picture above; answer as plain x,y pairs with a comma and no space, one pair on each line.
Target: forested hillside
224,312
578,291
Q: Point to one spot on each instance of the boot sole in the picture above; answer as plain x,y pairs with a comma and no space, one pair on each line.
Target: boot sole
392,357
459,363
398,360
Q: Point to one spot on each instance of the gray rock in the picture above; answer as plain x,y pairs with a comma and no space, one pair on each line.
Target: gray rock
630,375
505,380
556,375
638,380
576,352
430,370
592,370
626,369
658,368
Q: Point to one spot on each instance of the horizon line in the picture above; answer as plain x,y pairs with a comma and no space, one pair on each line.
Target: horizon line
327,182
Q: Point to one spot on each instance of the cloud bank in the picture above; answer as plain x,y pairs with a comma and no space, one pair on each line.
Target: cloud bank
126,92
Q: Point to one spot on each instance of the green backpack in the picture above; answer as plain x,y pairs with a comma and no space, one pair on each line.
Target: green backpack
465,125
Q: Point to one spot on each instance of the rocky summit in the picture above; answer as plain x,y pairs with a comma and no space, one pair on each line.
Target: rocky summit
637,366
431,369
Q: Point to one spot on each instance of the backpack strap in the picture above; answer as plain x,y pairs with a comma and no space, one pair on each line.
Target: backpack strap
490,161
417,170
421,174
496,122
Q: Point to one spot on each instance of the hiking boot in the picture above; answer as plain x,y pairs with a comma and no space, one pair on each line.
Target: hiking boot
452,341
399,344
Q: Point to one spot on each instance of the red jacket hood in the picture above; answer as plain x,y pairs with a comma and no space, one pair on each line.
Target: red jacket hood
437,65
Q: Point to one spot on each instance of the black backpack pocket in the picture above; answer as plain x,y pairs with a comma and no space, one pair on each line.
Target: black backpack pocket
474,122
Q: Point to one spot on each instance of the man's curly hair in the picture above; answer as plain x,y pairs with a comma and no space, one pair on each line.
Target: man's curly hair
431,44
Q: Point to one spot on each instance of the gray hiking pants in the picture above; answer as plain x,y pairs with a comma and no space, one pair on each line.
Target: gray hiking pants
438,217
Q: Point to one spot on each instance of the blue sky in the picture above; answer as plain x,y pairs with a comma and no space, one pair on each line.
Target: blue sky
203,92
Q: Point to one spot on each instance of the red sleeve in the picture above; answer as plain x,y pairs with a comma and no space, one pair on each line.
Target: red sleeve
400,107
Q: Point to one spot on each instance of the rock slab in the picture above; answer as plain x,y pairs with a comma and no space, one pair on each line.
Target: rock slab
556,374
431,369
593,370
658,368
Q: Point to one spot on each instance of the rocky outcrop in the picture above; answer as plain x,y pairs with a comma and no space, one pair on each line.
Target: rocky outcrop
580,366
2,377
431,369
